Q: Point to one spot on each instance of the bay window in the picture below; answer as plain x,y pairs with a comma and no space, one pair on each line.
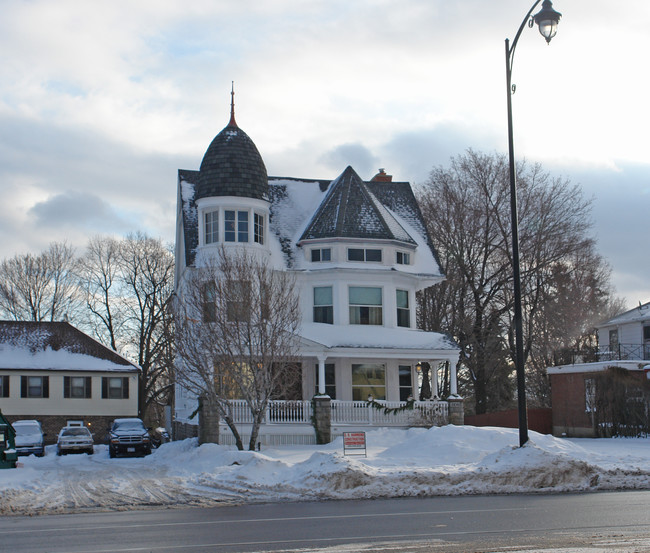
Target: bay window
365,305
403,311
323,305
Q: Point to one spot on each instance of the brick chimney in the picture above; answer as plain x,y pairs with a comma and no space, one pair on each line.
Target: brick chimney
382,177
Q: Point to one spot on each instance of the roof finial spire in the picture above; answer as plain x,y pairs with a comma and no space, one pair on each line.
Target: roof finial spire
232,123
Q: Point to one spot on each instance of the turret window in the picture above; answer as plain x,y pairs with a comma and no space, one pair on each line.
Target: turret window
258,228
235,226
211,227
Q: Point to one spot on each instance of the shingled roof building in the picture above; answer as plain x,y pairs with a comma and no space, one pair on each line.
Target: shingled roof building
360,252
53,372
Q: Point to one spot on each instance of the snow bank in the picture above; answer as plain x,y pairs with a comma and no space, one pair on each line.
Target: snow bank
450,460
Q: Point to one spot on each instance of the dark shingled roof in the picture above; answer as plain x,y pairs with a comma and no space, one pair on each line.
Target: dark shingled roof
350,210
38,336
232,166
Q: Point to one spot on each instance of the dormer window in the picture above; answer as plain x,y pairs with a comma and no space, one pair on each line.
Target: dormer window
321,254
403,258
211,227
364,254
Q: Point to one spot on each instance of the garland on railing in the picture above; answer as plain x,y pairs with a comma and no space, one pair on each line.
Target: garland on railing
410,405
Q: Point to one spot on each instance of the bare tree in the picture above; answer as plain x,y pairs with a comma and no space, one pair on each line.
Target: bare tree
40,287
467,209
99,272
236,323
128,286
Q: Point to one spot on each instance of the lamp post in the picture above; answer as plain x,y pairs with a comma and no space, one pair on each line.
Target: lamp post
547,20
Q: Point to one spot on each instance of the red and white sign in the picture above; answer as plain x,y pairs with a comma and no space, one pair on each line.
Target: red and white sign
354,440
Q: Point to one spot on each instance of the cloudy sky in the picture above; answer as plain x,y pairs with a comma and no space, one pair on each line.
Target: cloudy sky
102,102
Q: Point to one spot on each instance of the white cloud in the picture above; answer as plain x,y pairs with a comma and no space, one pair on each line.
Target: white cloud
110,98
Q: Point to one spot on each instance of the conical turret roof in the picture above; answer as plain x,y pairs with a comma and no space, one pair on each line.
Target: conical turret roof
232,166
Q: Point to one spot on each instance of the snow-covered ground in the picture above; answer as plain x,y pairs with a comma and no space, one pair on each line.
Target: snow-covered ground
450,460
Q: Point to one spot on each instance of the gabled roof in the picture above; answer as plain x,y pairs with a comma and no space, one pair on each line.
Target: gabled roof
55,345
638,314
351,210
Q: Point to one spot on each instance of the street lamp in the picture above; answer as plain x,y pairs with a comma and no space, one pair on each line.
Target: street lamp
547,20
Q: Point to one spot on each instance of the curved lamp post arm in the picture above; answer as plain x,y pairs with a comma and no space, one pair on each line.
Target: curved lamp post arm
547,19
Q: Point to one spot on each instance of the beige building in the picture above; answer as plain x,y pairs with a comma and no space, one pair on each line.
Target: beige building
56,374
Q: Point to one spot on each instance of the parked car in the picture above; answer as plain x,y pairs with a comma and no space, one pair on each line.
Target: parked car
29,438
158,436
128,437
74,439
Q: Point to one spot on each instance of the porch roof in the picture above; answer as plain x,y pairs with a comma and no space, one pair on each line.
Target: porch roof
361,340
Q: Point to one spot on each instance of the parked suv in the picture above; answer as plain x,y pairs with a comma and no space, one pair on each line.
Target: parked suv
128,437
29,438
74,439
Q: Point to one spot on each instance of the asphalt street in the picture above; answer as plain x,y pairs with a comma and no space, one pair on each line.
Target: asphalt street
612,521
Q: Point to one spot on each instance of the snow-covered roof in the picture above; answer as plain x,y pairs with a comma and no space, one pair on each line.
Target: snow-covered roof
638,314
294,203
55,346
376,337
598,366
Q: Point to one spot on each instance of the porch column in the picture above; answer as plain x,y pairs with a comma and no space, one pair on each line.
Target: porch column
321,374
453,382
434,379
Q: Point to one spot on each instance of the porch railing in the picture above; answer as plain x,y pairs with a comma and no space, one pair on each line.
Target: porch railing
277,412
391,413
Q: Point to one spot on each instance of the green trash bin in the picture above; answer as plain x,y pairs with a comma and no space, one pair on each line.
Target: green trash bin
8,453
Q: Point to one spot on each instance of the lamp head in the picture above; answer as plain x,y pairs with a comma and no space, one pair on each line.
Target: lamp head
547,20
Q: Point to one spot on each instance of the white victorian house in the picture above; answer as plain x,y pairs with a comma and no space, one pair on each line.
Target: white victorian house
359,251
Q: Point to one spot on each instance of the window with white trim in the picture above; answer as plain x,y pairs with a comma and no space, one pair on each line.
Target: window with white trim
405,382
323,305
403,258
368,379
365,305
211,227
403,310
235,226
321,254
258,229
